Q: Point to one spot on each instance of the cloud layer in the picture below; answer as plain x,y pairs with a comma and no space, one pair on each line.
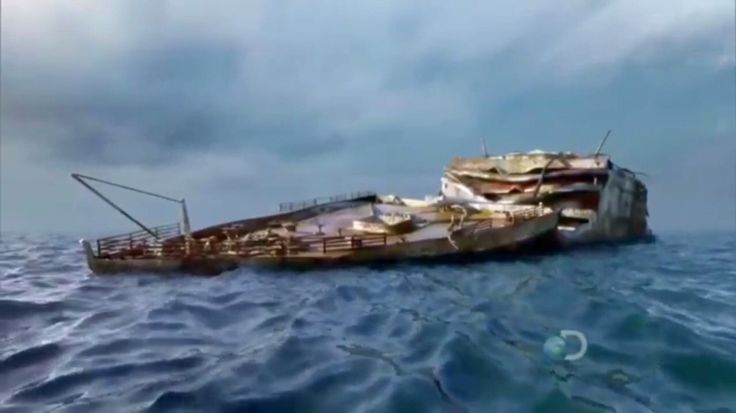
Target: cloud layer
323,96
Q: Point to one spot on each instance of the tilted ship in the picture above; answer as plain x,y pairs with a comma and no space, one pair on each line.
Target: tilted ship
505,204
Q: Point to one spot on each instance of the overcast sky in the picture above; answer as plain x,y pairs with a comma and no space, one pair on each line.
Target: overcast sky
240,105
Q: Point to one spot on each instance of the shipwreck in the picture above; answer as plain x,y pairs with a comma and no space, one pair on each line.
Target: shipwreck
490,205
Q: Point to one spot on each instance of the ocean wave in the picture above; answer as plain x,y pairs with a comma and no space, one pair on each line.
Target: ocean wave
659,321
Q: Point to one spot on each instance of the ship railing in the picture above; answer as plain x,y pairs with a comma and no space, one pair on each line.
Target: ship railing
293,206
345,243
145,248
122,242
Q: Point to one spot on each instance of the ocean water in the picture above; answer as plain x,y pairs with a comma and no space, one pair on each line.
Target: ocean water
659,319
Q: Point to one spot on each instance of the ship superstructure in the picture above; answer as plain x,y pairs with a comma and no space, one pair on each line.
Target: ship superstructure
598,200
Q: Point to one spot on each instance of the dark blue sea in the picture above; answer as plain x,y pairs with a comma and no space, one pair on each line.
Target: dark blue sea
659,319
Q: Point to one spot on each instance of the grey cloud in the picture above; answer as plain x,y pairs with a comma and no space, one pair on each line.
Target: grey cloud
295,99
160,102
159,81
188,63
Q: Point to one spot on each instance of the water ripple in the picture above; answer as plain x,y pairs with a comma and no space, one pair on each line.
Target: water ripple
660,320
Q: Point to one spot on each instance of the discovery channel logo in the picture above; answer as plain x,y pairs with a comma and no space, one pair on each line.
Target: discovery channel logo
558,347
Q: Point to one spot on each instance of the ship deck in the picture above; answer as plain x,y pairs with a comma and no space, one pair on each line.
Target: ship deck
323,234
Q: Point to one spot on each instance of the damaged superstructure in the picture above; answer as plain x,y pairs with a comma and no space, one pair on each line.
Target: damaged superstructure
599,201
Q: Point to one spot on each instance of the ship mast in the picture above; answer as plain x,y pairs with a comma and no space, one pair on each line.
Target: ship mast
603,142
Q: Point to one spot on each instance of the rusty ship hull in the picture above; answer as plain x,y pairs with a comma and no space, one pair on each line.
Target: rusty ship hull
314,235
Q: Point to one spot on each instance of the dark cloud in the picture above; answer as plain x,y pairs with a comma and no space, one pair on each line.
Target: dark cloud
187,64
160,102
377,95
146,84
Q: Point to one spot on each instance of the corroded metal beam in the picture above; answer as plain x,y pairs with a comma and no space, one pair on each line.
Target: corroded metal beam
185,216
603,142
81,180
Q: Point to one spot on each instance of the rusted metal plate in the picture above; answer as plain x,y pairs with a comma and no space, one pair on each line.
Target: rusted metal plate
550,174
527,162
502,188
